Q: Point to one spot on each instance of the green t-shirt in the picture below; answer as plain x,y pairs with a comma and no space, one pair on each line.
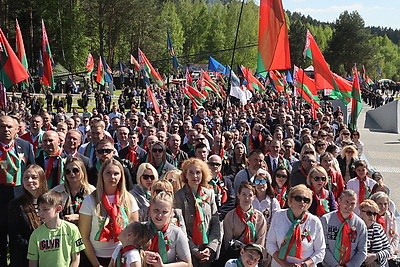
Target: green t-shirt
54,247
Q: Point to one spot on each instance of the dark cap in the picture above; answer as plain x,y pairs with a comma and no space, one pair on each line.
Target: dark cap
256,247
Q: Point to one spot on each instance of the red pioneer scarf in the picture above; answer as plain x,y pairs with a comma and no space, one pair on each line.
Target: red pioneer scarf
160,242
132,155
115,222
322,202
291,245
342,251
121,260
220,187
382,221
10,166
199,231
250,234
363,190
50,164
281,197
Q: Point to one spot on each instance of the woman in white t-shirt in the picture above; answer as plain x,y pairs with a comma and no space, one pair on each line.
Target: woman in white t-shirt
104,214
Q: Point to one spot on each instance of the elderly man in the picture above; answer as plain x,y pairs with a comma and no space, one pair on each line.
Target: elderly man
173,149
223,188
122,138
299,176
345,234
16,154
73,140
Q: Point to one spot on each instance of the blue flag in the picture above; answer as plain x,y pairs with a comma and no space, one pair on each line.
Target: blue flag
175,63
71,84
107,71
124,69
289,77
214,65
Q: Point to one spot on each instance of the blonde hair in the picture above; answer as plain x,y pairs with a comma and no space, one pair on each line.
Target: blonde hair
176,177
368,203
301,188
314,170
84,177
124,195
162,196
142,235
351,147
142,168
206,173
164,185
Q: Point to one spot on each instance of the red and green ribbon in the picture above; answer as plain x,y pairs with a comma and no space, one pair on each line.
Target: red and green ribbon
120,261
250,234
291,245
322,202
10,166
160,242
220,187
343,240
199,231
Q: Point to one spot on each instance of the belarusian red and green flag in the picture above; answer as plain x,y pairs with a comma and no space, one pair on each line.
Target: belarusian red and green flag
153,99
273,41
277,81
252,82
367,79
11,69
344,85
19,42
90,64
193,93
208,84
135,63
100,73
356,102
148,68
48,78
305,86
323,76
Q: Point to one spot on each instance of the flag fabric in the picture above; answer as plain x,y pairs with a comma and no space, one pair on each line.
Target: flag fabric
48,78
237,91
175,63
273,41
379,71
11,69
189,78
21,50
194,94
40,63
123,69
252,82
289,77
71,84
209,85
100,73
90,64
214,65
305,86
107,71
153,99
277,81
134,63
367,79
356,102
344,86
145,64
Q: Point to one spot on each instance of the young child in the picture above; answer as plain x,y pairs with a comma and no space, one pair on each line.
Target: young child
250,256
56,242
135,238
361,184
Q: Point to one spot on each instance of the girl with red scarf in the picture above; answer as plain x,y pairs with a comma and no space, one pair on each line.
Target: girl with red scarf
135,238
281,184
295,236
169,243
323,199
104,214
200,212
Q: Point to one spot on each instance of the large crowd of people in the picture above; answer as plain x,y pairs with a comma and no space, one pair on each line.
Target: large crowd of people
269,183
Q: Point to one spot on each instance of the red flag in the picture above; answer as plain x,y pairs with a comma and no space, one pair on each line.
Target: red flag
305,86
90,64
135,63
48,78
20,47
252,82
277,80
153,100
100,72
149,69
273,41
11,69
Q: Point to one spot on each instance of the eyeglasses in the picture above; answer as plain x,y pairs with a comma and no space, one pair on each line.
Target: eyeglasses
215,164
370,213
287,147
300,199
324,135
317,178
257,130
104,151
256,182
147,177
69,171
345,133
321,144
157,150
280,176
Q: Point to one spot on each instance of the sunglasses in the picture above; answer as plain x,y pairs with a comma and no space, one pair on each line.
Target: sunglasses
69,171
370,213
345,133
256,182
104,151
320,144
300,199
199,139
281,176
322,178
159,150
215,164
147,177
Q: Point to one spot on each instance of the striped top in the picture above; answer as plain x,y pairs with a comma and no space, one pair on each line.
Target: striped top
378,243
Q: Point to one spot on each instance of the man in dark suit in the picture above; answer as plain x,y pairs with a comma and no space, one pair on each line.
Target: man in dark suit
51,160
15,155
132,154
73,140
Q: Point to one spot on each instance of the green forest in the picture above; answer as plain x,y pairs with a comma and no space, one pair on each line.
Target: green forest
199,29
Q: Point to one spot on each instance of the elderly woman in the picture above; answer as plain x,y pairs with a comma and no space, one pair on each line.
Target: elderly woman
377,243
281,184
23,215
346,160
387,220
74,189
323,199
294,237
158,158
199,211
145,177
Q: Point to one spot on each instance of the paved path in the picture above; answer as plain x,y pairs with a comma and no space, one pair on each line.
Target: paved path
382,151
